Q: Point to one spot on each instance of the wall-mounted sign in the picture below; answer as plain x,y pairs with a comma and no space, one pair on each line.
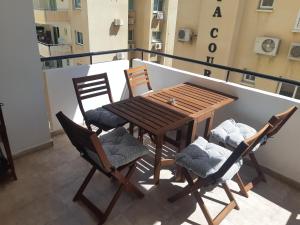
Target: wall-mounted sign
214,32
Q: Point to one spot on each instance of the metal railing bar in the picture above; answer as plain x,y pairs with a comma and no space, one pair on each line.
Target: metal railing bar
222,67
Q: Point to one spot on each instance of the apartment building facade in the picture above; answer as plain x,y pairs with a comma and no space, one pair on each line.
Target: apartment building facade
257,35
152,25
83,25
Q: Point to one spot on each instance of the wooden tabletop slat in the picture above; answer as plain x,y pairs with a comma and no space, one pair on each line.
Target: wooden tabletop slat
211,93
206,95
165,101
202,94
167,112
140,115
157,112
144,111
182,102
214,95
191,98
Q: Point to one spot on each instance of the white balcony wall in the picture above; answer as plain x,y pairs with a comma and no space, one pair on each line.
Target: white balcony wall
61,94
21,83
254,107
44,50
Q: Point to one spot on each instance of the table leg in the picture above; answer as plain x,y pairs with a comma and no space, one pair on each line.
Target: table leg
182,140
208,126
158,153
192,131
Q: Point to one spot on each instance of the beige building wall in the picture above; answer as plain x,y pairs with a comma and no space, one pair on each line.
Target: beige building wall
239,25
79,22
277,23
146,23
103,34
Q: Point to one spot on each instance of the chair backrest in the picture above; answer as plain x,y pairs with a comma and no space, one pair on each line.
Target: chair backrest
90,87
84,139
280,119
136,77
243,149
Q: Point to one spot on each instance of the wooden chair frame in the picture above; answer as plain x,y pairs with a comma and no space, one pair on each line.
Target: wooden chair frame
88,87
84,139
4,138
136,77
278,121
193,186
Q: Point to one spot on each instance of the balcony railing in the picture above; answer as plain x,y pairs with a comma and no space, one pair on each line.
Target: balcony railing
228,69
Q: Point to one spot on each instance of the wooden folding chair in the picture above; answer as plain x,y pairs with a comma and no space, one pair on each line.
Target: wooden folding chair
99,153
278,121
94,86
136,77
224,168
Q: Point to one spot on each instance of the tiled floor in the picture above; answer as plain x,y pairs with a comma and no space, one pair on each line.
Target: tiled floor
48,179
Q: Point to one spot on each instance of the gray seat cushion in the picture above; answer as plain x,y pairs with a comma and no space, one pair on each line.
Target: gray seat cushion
204,158
101,117
232,134
120,147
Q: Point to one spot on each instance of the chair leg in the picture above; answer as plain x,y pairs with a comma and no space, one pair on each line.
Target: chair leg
193,188
241,184
84,184
131,127
257,167
230,195
124,182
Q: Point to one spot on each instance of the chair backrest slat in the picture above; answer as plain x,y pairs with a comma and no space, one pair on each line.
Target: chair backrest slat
136,77
84,139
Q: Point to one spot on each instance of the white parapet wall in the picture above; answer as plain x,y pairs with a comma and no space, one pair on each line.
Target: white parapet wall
254,107
61,95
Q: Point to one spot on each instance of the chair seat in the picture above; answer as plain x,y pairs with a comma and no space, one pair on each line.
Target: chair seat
232,134
104,119
120,147
204,158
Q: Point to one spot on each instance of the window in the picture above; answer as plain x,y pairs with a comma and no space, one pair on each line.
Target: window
266,4
130,5
289,90
297,23
156,36
158,5
77,4
78,38
248,78
130,35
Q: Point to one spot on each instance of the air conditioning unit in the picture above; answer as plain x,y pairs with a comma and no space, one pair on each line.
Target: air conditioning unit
294,52
185,35
120,55
131,45
158,46
266,46
131,21
159,15
118,22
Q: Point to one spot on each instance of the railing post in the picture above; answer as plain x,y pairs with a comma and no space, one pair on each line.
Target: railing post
227,76
91,59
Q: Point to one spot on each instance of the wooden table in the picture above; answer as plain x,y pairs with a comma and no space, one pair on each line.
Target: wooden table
157,114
